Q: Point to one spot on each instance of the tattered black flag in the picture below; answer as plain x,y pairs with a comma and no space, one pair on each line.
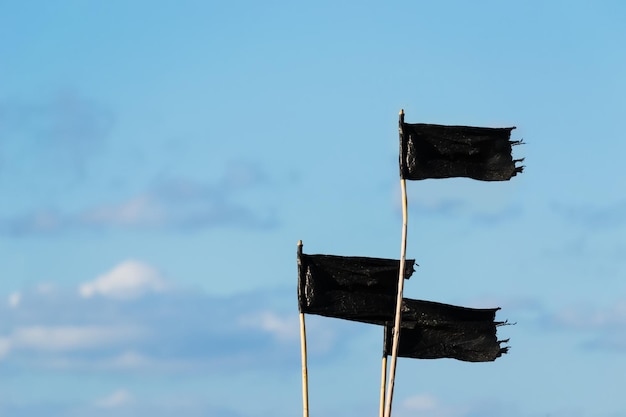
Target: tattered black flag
437,151
348,287
365,290
433,330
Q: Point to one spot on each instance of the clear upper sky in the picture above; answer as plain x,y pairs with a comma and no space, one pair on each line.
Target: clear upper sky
160,160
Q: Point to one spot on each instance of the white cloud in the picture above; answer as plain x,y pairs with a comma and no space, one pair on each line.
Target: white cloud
129,360
427,405
66,338
129,279
45,288
179,204
283,328
45,221
62,330
141,210
14,299
420,402
117,399
582,317
5,347
69,338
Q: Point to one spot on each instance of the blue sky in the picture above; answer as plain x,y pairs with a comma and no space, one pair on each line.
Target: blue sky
159,162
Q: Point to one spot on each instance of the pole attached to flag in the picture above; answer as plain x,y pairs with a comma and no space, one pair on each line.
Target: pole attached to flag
398,315
383,376
305,377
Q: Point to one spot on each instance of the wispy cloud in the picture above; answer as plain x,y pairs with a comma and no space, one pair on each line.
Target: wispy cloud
171,204
68,338
465,198
582,317
282,328
139,211
123,402
63,129
426,404
597,326
129,279
593,216
130,319
600,328
117,399
14,299
613,342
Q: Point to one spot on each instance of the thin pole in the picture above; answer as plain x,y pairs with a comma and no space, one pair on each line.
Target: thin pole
398,316
383,375
305,375
383,383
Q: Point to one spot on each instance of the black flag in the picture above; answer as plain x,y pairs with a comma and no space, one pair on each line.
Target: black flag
365,289
433,330
437,151
352,288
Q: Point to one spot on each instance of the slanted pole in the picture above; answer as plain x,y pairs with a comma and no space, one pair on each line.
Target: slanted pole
383,375
398,314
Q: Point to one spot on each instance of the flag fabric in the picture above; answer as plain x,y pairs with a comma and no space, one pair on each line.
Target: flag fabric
433,330
365,290
437,151
352,288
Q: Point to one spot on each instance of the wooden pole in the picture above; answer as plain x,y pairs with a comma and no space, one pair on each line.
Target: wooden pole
383,376
398,315
305,376
383,385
